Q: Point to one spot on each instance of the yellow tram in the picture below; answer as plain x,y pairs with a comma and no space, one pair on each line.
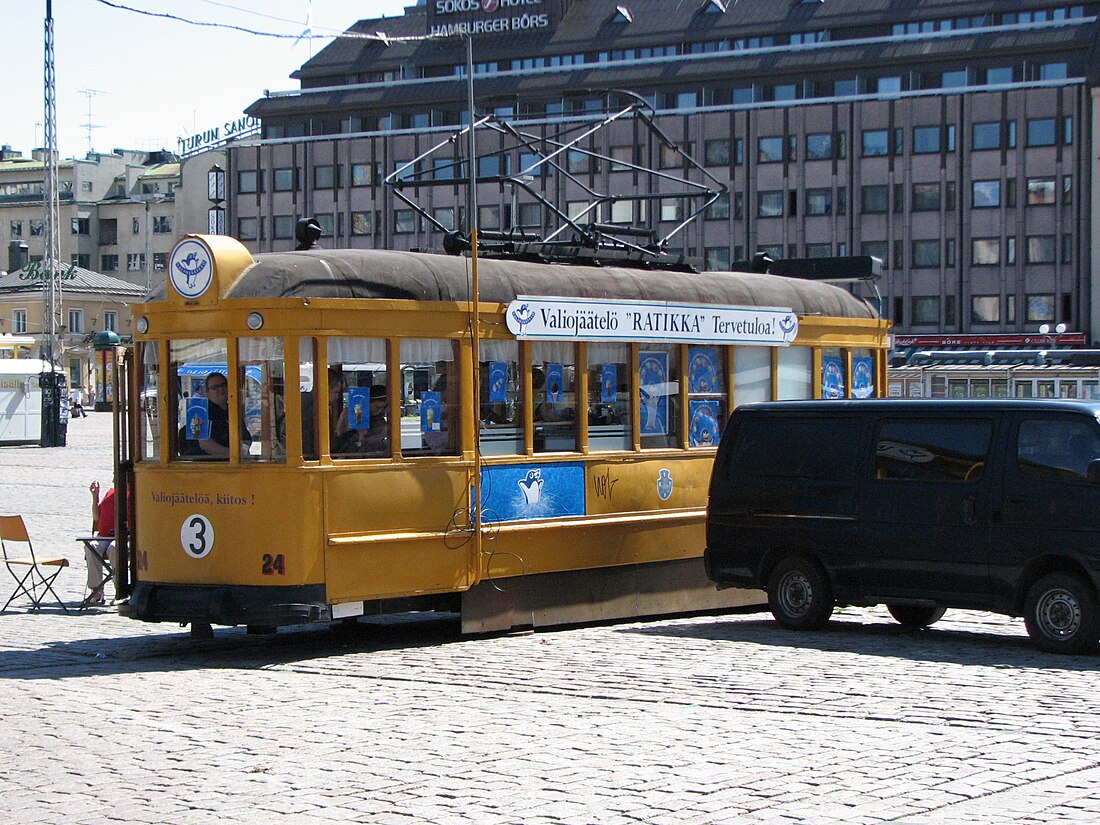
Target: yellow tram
540,457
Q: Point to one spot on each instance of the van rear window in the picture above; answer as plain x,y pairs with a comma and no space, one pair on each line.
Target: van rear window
805,448
932,450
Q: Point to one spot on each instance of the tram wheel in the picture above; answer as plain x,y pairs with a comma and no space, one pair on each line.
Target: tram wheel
201,630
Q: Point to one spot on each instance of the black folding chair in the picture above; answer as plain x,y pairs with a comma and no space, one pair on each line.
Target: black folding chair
34,576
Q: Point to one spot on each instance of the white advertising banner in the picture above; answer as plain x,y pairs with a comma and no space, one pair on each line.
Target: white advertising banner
581,319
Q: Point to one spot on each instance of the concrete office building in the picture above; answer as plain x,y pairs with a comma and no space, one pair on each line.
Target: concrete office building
950,138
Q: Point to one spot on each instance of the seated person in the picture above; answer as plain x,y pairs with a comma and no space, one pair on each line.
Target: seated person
347,438
217,396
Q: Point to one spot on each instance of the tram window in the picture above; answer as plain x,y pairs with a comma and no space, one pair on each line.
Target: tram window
201,416
149,420
358,389
307,383
659,395
261,394
609,397
794,373
707,399
430,424
501,416
752,374
553,396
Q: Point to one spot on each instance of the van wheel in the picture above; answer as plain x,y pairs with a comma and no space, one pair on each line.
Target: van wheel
916,615
1062,614
799,594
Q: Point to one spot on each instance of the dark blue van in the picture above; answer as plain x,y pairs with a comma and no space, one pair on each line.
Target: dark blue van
918,505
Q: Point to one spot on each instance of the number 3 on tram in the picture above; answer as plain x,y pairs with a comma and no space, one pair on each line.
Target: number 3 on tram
328,433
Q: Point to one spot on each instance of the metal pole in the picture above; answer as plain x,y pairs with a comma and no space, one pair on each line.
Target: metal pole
148,262
475,321
472,148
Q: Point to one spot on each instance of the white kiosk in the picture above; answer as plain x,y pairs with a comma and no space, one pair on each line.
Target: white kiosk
21,391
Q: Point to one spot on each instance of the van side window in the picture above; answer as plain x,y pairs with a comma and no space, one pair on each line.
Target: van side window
1052,448
812,449
932,450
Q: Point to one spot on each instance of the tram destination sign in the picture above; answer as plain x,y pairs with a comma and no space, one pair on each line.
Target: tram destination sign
580,319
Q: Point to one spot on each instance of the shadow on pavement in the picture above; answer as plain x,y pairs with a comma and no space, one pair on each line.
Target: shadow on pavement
229,648
886,638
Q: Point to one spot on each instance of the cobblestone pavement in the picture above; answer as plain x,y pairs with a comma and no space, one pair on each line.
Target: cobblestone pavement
688,720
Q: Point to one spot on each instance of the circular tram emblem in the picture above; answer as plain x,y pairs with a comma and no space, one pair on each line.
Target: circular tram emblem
191,270
197,536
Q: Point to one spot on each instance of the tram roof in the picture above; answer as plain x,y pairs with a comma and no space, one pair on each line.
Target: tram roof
364,273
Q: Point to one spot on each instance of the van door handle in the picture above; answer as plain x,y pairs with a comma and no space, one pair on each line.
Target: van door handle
968,510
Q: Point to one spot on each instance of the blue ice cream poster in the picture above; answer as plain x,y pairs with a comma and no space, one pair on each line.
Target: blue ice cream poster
832,377
863,377
498,382
431,412
609,383
653,386
198,419
555,375
703,370
358,408
704,430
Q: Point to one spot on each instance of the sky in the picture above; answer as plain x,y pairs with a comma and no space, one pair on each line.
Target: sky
142,81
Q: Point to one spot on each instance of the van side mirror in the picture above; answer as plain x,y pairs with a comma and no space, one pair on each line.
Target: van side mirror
1094,471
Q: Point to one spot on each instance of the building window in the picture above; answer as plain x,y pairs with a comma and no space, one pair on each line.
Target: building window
876,143
926,254
717,259
985,309
108,263
82,260
1067,131
81,226
1067,190
1040,308
985,251
135,262
926,139
76,320
248,182
19,321
1040,249
819,146
876,249
716,152
162,225
819,250
135,226
986,136
770,204
671,157
488,217
530,214
926,197
160,261
1067,249
362,223
985,194
362,174
404,221
38,227
324,177
738,206
16,229
769,150
283,227
1040,191
719,210
110,320
819,202
672,209
926,310
1040,132
444,215
875,199
283,180
247,229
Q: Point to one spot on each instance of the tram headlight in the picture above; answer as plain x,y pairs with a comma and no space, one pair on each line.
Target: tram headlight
143,325
254,320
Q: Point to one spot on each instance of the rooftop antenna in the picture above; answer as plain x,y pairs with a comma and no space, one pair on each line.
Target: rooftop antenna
89,124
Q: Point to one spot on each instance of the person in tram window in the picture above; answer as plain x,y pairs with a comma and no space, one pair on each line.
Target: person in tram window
217,444
376,438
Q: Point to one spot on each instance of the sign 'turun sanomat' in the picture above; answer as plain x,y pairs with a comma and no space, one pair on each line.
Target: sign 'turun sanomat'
579,319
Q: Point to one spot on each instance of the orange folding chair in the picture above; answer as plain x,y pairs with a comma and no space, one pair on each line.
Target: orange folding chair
34,576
